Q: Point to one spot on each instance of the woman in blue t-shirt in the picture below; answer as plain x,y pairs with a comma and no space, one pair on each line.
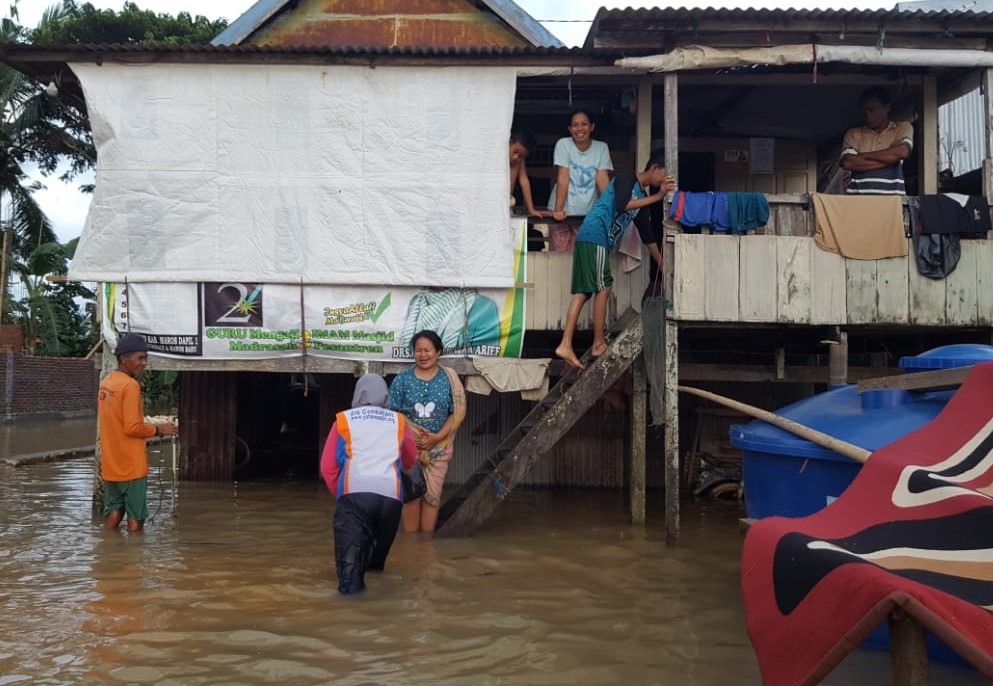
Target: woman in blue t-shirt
581,176
433,400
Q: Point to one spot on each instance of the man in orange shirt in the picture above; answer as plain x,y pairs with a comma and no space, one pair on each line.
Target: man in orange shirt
124,462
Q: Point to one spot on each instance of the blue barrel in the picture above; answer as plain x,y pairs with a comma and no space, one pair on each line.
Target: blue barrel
789,476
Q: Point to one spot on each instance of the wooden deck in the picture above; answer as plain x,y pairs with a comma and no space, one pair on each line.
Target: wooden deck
789,280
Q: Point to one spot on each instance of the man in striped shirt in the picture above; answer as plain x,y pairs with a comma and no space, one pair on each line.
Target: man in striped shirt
874,153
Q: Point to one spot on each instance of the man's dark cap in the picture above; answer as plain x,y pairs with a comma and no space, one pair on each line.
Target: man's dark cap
131,343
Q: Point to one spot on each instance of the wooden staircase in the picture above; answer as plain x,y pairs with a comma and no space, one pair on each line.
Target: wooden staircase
549,420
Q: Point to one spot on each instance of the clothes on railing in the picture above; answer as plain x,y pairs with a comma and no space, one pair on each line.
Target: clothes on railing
953,213
734,212
562,235
747,211
700,209
936,254
938,222
860,227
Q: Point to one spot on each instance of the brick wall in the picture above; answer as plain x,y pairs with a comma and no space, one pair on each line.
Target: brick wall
12,337
46,385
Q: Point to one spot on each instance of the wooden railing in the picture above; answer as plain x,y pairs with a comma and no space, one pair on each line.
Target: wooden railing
789,280
777,274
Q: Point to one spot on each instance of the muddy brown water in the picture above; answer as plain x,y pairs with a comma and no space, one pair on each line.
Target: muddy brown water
27,436
234,584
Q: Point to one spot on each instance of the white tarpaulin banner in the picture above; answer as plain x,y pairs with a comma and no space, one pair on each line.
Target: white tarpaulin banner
299,174
253,320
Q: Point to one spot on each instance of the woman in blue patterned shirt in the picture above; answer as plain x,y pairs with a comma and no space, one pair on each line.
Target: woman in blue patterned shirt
433,400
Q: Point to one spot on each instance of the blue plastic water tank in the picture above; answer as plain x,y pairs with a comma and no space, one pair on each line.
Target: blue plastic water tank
790,476
949,357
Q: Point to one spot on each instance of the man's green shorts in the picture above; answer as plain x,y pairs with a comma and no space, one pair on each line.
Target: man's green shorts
590,268
129,496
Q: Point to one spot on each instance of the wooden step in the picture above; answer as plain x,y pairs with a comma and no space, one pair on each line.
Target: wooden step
475,500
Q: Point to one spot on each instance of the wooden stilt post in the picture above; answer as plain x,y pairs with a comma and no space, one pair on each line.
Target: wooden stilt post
908,650
988,133
671,97
3,270
838,360
929,139
108,363
671,432
639,399
639,426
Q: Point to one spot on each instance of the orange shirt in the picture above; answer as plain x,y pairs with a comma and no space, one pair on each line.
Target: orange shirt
122,428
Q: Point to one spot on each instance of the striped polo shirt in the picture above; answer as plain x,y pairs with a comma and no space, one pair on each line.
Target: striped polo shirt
885,181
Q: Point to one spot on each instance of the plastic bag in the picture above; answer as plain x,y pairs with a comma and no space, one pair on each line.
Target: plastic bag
414,485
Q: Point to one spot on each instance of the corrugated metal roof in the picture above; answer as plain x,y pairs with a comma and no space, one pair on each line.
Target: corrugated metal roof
265,10
671,27
254,17
428,51
683,13
523,23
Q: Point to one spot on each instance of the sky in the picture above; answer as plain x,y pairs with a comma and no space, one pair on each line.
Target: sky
569,20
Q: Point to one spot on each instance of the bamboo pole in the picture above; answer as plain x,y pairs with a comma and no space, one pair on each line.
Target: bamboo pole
830,442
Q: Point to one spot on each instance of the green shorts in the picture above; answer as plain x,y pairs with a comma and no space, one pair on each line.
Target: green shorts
129,496
590,269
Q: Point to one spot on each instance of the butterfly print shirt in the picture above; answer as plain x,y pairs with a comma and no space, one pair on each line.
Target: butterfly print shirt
426,403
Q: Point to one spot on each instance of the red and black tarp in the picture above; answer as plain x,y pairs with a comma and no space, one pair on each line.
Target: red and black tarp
914,530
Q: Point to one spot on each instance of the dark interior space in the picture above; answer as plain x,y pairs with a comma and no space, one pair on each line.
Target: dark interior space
278,426
816,113
867,347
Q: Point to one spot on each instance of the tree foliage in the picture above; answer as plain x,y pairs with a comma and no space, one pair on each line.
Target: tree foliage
86,24
52,135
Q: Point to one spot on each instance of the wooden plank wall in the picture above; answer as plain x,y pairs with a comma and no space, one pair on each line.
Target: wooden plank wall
789,280
550,274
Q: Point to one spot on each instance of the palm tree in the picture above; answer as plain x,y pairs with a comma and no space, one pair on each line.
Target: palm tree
35,130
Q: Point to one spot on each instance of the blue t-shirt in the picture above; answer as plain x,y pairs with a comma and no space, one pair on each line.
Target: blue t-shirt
601,225
426,403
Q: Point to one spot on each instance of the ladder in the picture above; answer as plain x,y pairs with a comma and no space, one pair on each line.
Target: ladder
550,419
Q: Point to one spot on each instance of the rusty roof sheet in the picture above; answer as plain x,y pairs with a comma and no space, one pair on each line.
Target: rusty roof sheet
264,11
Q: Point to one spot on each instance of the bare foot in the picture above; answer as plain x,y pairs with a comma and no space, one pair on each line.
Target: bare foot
569,355
598,349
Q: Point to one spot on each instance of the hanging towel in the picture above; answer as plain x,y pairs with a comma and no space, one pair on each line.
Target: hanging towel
529,376
630,248
861,227
747,211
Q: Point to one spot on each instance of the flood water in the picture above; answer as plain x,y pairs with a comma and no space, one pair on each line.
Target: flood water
234,584
26,436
